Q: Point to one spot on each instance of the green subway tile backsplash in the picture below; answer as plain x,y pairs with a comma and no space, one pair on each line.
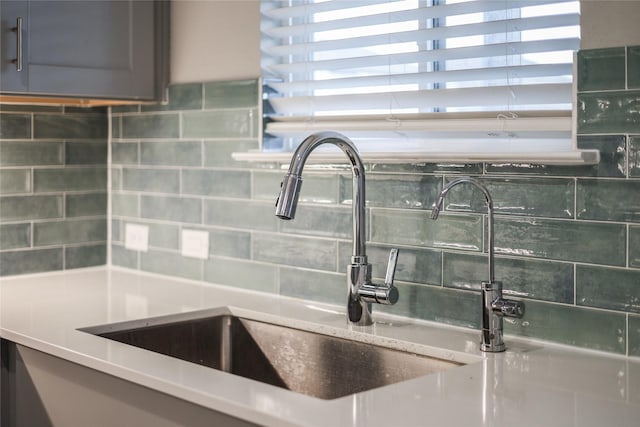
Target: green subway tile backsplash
316,188
448,306
14,181
320,221
15,126
578,326
171,153
515,196
15,236
69,231
181,97
614,289
30,261
151,126
70,126
90,204
124,153
85,256
236,94
608,200
589,242
122,257
228,243
601,69
613,153
295,251
163,235
70,179
125,205
217,183
171,208
53,183
151,180
529,278
242,214
85,153
634,156
568,238
31,153
418,229
319,286
15,208
220,124
634,246
242,274
633,67
634,335
395,191
218,153
171,263
608,112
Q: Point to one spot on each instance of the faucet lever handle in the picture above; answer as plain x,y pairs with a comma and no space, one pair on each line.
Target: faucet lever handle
391,267
386,294
508,308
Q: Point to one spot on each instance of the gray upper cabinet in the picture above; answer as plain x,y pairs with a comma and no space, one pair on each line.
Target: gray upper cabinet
89,49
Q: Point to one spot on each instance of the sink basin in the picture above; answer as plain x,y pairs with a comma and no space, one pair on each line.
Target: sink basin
306,362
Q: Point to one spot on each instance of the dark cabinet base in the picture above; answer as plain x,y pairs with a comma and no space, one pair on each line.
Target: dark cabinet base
43,390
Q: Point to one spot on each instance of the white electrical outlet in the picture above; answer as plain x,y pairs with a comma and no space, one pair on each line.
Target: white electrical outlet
195,244
136,237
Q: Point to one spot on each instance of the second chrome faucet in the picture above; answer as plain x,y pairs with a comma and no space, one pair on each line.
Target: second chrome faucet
494,306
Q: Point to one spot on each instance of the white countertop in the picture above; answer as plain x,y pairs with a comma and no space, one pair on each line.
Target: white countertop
531,384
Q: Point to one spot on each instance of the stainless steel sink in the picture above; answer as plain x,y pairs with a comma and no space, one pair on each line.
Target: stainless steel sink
314,364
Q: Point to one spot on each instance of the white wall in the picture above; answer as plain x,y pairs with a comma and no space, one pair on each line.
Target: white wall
214,40
610,23
220,39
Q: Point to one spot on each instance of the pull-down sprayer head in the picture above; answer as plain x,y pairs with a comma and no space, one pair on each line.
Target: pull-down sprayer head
288,198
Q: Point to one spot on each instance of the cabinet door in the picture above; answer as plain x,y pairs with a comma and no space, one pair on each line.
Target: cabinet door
12,78
49,391
92,49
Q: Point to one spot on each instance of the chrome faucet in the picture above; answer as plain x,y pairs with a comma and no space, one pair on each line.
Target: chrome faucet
361,292
494,306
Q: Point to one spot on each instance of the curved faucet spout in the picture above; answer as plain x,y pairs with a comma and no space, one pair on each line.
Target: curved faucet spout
437,207
288,198
361,292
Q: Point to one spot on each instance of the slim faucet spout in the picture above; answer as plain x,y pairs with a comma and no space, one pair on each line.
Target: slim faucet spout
361,292
494,306
288,199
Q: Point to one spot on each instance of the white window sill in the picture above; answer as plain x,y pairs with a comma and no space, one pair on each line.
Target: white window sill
568,158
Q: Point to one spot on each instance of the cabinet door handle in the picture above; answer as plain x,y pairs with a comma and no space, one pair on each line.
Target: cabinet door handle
18,30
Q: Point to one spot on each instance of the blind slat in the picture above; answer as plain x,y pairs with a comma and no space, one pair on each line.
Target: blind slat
509,26
421,13
522,72
486,51
433,98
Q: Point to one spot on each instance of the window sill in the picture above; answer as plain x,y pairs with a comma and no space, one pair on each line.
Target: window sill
566,158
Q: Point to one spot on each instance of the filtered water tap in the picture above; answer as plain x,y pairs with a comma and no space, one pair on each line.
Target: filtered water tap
494,306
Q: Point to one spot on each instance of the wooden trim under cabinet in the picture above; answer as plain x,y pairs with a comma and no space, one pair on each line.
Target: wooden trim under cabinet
78,102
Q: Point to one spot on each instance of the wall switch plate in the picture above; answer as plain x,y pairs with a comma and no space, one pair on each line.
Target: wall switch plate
195,244
136,237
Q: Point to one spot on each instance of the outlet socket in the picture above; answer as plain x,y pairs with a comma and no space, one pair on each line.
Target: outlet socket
195,244
136,237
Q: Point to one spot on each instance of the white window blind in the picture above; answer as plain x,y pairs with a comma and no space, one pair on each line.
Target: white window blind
478,76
